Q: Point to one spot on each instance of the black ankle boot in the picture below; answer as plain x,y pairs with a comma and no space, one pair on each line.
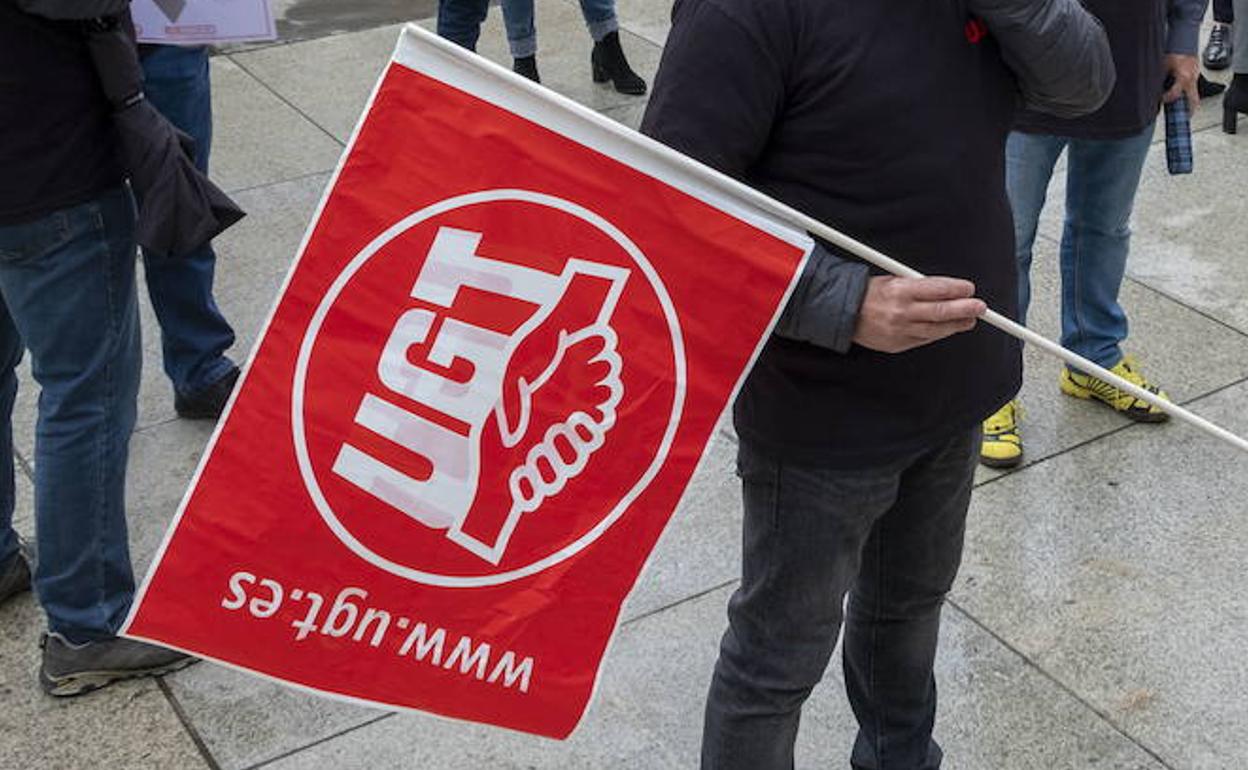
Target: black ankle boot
608,63
1235,102
527,66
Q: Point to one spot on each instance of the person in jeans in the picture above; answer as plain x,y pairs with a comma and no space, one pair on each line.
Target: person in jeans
194,334
460,22
858,431
1105,156
67,294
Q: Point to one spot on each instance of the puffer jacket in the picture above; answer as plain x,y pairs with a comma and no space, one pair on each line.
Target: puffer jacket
1058,51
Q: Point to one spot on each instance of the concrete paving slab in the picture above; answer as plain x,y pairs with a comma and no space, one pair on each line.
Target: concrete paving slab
629,114
24,504
257,138
1166,337
1118,567
328,80
1191,231
998,712
163,459
129,725
650,19
701,548
246,721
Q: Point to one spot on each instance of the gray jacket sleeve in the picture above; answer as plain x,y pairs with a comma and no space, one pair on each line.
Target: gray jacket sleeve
1184,26
823,309
1058,51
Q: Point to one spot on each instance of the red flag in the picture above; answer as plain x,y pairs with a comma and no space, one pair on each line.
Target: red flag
495,365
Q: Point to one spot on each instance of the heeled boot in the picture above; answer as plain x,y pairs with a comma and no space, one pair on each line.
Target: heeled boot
608,63
526,66
1235,102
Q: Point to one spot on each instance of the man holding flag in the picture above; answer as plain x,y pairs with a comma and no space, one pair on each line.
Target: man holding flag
859,424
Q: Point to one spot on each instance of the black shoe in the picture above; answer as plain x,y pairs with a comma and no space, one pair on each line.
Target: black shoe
15,573
526,66
608,63
74,669
1234,103
206,404
1218,50
1208,88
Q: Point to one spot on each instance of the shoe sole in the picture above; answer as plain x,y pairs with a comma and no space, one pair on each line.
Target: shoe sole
1074,391
1000,463
90,681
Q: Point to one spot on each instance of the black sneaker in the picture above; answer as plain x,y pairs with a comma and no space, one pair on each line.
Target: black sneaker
74,669
209,403
15,573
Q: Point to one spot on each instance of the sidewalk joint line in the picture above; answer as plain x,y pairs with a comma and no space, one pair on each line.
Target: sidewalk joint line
1162,293
1104,717
282,98
678,602
319,741
23,463
291,180
1183,304
187,725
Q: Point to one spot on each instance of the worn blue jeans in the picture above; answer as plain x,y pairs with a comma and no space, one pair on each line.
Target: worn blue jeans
194,335
1102,177
460,22
67,284
891,537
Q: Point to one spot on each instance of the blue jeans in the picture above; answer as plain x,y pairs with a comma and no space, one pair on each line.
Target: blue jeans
889,536
460,22
1101,181
194,334
67,284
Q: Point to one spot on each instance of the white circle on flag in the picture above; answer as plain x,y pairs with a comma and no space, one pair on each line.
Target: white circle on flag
335,290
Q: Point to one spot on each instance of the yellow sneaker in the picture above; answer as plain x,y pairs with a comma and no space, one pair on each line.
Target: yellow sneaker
1089,387
1002,446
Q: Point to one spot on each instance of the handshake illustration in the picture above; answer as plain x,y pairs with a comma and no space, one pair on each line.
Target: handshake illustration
538,404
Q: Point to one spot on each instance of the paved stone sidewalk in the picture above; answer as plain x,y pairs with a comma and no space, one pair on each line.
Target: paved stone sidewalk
1099,619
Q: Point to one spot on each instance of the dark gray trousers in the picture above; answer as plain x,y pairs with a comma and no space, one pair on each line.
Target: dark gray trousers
890,537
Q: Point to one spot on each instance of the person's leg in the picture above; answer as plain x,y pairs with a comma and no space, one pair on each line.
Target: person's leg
68,282
893,616
1239,63
1030,159
804,530
194,334
521,31
1101,184
460,21
1223,11
599,17
10,357
1029,162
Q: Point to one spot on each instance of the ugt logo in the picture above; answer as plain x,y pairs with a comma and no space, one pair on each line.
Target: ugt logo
486,387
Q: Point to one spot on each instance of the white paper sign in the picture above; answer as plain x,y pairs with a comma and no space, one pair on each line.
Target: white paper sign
202,21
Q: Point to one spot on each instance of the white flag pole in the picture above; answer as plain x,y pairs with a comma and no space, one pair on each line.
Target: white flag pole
734,188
